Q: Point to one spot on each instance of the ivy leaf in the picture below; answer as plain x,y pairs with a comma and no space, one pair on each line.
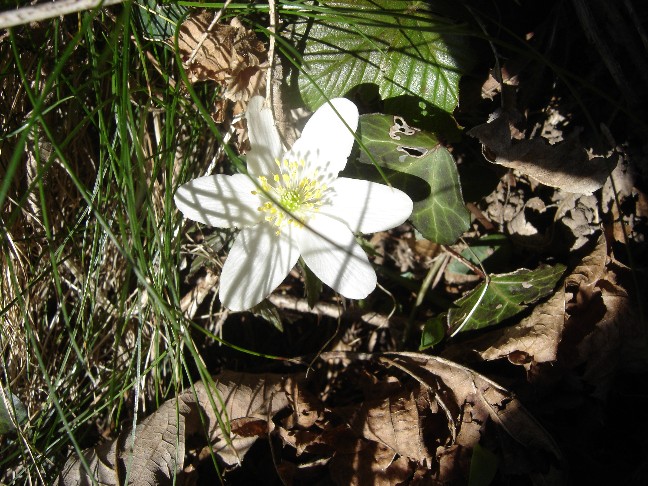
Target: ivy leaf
489,304
433,332
395,44
493,251
419,165
502,297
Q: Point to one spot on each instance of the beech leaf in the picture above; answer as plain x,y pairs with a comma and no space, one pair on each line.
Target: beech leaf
395,44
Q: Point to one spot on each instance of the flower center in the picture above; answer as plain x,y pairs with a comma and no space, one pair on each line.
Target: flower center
291,195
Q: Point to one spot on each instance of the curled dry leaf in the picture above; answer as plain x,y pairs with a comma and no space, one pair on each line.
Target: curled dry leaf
521,227
247,402
579,218
231,55
603,330
628,218
565,165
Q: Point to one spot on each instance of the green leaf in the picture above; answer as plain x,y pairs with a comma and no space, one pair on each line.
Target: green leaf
156,20
268,311
419,165
433,332
491,251
502,297
396,44
7,409
483,466
312,284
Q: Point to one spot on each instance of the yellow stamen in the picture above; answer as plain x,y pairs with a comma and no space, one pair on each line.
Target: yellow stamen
293,196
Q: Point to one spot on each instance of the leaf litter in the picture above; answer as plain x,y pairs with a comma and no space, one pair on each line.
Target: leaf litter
394,418
565,165
229,54
414,417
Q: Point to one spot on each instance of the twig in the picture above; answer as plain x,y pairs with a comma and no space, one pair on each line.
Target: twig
465,261
44,11
290,303
274,78
271,49
191,301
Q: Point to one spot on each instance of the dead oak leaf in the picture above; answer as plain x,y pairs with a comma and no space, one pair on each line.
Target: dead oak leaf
565,165
488,399
369,463
231,55
394,422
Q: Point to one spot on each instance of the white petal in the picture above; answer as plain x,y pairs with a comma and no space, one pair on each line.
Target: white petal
331,252
257,263
220,200
367,207
264,139
326,141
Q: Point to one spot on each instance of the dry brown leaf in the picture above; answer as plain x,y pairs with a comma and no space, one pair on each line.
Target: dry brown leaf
534,340
158,452
156,456
522,228
424,431
628,218
603,331
231,55
307,409
369,463
565,165
394,422
580,217
487,399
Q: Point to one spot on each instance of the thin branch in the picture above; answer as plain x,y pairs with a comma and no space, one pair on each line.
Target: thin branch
44,11
458,256
271,52
205,34
191,301
289,303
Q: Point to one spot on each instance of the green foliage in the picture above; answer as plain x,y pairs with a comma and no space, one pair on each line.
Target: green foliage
158,21
418,164
7,409
312,284
434,332
483,466
494,300
396,44
270,313
492,251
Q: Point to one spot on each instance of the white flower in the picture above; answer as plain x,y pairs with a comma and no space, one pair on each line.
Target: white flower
293,203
